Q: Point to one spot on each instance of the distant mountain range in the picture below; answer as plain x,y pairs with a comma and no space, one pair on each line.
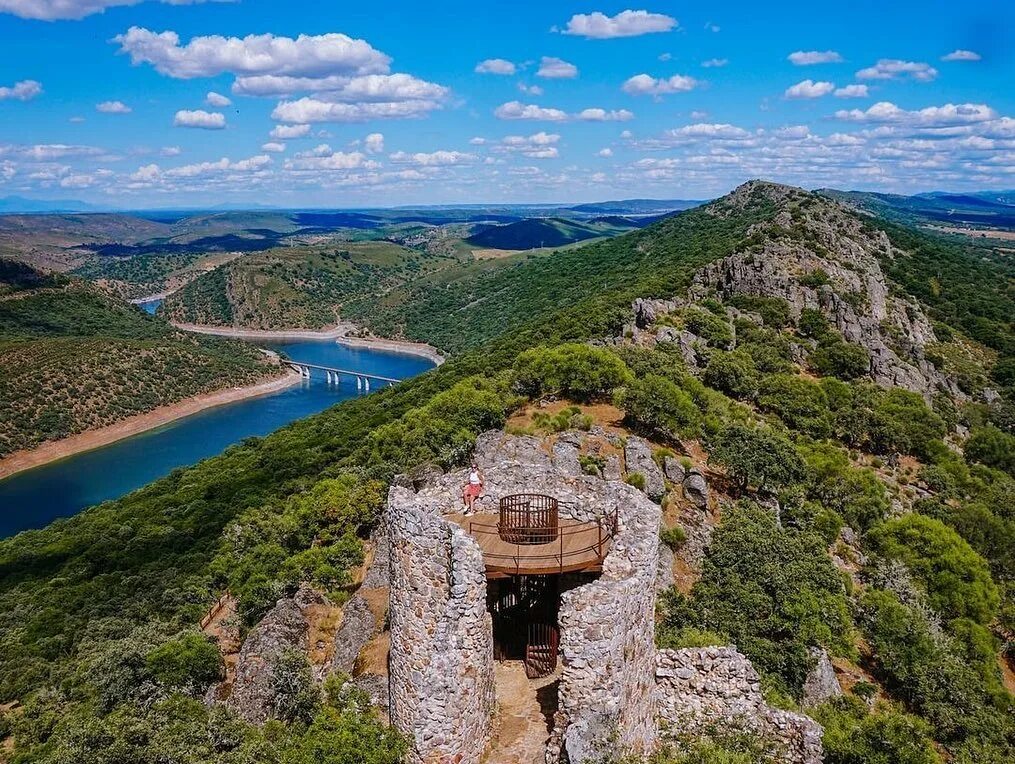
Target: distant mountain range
19,204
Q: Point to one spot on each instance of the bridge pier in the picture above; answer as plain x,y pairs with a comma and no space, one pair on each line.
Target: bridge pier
359,383
367,383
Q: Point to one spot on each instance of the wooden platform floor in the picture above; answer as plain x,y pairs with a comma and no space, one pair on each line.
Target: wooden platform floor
577,548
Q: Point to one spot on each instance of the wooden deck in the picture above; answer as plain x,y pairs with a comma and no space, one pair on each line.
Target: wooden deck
578,547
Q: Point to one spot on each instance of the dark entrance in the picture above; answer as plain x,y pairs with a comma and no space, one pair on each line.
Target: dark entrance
524,611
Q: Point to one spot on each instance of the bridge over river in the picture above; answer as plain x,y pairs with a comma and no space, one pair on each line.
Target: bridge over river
334,375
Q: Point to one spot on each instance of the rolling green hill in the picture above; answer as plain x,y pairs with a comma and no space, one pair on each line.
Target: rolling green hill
73,358
917,607
537,233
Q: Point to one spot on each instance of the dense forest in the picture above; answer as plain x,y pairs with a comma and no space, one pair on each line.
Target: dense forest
73,357
101,660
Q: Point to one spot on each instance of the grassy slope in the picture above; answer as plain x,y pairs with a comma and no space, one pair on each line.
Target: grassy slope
73,358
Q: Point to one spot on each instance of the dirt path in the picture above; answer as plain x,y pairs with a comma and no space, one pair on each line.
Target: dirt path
86,441
524,714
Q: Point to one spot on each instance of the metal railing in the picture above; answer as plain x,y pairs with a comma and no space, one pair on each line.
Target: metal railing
528,518
528,557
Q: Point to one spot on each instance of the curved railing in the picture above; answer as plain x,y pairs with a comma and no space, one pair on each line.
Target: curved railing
528,518
565,552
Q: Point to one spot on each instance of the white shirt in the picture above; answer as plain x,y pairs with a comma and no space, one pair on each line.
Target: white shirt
474,478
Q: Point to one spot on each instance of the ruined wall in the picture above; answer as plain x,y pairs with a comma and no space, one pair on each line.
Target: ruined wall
441,664
607,647
700,689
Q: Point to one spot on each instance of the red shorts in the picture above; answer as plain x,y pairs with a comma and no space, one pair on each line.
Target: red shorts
473,491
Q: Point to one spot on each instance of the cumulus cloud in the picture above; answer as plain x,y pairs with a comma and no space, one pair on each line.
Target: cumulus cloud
541,145
369,87
273,146
852,91
284,132
809,89
810,57
643,84
519,110
205,120
323,158
933,116
113,107
217,100
628,23
433,158
961,55
374,143
171,151
25,90
602,115
495,66
715,63
892,68
50,10
253,164
309,109
210,56
556,68
533,90
606,152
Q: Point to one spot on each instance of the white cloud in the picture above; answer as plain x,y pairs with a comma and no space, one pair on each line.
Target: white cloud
323,158
607,152
890,68
25,90
368,87
217,100
432,159
556,68
961,55
304,56
316,110
50,10
699,115
374,143
533,90
275,147
78,181
495,66
171,151
810,57
930,117
253,164
284,132
715,63
602,115
541,145
518,110
205,120
643,84
809,89
852,91
113,107
628,23
665,56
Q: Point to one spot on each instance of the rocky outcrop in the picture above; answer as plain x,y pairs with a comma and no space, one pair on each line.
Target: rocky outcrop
674,470
701,690
638,457
255,690
696,488
821,684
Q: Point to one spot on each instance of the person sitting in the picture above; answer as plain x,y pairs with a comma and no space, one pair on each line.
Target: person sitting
473,489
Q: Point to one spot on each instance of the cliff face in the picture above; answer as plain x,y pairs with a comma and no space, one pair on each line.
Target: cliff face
813,253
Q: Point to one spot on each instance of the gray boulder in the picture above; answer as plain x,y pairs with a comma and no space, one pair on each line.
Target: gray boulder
821,683
638,456
696,488
674,470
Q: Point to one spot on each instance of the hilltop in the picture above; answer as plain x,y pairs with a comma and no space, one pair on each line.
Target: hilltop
74,358
820,402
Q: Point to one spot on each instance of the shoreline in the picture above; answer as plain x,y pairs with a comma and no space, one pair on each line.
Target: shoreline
339,334
54,450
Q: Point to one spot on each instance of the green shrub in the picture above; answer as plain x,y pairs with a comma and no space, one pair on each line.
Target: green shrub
990,446
956,579
188,662
799,402
636,479
732,373
812,323
714,330
884,735
756,456
577,371
673,537
655,405
841,359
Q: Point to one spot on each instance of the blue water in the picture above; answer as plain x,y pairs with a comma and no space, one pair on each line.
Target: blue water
34,498
150,306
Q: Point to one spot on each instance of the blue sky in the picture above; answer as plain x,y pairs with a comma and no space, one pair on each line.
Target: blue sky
133,103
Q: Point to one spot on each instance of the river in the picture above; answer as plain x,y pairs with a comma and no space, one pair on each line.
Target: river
38,496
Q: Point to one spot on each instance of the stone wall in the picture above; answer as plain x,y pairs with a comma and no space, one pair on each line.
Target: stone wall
607,644
699,690
441,660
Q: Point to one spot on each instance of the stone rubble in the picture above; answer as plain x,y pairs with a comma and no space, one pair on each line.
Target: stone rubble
638,457
699,690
